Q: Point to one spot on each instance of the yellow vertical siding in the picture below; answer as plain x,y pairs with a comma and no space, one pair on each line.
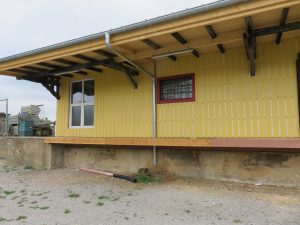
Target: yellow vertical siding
229,103
120,111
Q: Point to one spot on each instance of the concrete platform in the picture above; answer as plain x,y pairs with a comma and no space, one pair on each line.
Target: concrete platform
278,168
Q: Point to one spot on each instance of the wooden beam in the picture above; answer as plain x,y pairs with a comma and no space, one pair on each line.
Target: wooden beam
183,41
95,69
283,19
211,31
52,84
173,58
81,73
83,57
66,62
179,38
35,69
49,65
228,144
151,44
155,46
88,59
221,48
214,35
277,29
105,53
196,53
21,71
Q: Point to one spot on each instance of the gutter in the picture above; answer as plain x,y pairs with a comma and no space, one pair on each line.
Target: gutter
134,26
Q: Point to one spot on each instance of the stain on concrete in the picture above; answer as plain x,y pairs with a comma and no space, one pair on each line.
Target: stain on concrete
183,155
272,160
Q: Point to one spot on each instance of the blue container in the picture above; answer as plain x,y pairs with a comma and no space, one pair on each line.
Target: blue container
26,128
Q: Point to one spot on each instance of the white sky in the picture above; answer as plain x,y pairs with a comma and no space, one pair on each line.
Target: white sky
31,24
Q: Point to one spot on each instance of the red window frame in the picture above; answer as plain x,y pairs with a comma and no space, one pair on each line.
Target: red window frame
158,80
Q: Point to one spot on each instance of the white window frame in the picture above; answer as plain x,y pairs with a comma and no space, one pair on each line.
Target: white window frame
81,105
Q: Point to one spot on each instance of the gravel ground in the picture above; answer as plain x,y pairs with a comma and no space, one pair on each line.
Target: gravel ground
66,196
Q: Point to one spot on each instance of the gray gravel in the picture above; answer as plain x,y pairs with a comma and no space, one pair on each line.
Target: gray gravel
66,196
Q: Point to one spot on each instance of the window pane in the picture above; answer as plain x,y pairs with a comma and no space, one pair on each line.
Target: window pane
76,115
89,91
177,88
88,115
76,92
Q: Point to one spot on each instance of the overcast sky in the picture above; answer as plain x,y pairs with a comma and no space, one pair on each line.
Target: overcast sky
31,24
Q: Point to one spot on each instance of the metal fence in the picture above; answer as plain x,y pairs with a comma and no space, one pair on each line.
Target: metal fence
4,119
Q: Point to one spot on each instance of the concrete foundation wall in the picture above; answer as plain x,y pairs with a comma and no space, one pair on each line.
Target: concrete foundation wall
242,166
250,167
31,151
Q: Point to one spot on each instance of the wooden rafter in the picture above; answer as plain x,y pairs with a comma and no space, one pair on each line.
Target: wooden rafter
88,59
151,44
156,46
105,53
183,41
49,65
179,38
283,19
212,33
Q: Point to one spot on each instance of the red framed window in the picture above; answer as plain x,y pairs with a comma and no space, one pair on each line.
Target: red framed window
180,88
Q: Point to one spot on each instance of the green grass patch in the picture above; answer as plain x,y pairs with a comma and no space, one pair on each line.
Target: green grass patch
67,211
28,167
100,203
8,192
73,195
2,219
44,208
237,221
21,218
144,178
103,197
87,202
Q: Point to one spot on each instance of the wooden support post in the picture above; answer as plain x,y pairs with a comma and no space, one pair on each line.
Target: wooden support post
250,45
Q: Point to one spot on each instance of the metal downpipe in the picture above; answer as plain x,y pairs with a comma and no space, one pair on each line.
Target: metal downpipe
154,128
153,76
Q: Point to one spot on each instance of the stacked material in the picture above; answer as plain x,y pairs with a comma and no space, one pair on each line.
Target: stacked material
30,113
29,123
2,123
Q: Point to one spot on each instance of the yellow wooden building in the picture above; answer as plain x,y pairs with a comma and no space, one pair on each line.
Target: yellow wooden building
219,75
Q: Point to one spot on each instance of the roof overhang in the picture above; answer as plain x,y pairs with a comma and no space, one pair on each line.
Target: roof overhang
214,27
